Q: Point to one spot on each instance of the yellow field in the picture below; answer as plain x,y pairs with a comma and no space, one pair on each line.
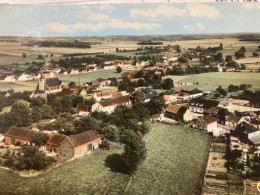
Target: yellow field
10,53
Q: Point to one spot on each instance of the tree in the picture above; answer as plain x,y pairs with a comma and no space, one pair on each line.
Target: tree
167,84
36,114
137,97
118,69
66,103
155,105
144,127
24,55
220,46
255,54
221,91
39,139
47,112
183,60
77,100
72,84
33,158
21,113
134,151
228,58
243,49
110,132
56,105
87,123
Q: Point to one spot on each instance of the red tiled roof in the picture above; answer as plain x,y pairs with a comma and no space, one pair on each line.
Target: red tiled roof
82,108
172,109
55,140
115,101
82,138
209,119
19,133
103,94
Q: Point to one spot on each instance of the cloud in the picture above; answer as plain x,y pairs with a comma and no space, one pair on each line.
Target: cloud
251,6
202,10
188,27
160,12
106,7
114,23
86,14
58,27
200,26
197,26
167,11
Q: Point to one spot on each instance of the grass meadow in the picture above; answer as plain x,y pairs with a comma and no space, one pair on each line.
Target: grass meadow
87,77
85,175
175,163
226,78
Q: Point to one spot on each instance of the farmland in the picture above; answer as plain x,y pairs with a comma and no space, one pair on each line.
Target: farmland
85,175
176,158
225,78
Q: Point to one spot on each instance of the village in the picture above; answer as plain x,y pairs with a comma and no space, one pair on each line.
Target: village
67,120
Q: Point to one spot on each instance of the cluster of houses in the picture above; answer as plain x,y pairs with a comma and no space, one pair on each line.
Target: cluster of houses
243,128
66,146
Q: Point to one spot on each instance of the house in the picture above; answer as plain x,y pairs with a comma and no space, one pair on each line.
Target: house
178,113
110,105
38,95
74,71
170,98
233,120
208,123
18,136
149,96
102,96
80,144
242,134
255,123
53,144
94,88
109,66
82,110
25,77
7,78
199,105
50,85
213,111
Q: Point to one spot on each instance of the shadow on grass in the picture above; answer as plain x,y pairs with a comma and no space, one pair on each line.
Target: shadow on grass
116,163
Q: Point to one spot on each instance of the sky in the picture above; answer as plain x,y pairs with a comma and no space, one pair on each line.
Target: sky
128,19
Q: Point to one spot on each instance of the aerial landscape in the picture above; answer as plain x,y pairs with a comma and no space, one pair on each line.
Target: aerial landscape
130,98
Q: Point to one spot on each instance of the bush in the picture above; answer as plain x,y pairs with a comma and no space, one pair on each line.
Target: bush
9,162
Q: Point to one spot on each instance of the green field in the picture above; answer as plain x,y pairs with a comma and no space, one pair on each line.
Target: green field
176,158
226,78
86,175
87,77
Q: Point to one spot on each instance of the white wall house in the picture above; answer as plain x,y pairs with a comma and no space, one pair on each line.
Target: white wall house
25,77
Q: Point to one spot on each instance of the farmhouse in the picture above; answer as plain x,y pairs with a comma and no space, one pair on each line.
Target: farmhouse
98,97
18,136
80,144
51,85
233,120
25,77
110,105
7,77
82,110
208,123
178,113
53,144
199,105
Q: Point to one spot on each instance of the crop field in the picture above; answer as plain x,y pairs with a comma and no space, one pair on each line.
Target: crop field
18,86
87,77
85,175
175,163
226,78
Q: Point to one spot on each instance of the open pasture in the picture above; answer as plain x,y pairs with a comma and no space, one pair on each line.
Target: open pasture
85,175
91,76
225,78
175,163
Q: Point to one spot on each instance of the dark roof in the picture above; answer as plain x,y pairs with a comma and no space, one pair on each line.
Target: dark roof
19,133
182,110
115,101
82,138
150,95
255,122
53,82
55,140
233,118
245,128
209,119
203,103
212,110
